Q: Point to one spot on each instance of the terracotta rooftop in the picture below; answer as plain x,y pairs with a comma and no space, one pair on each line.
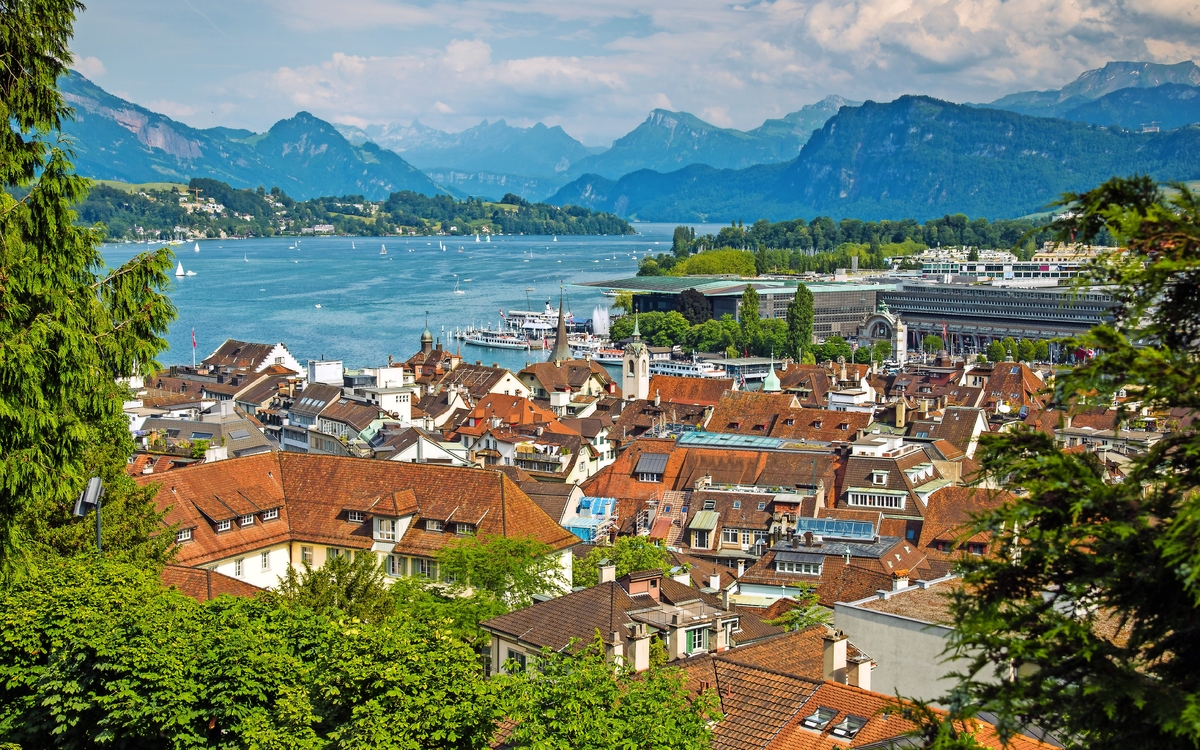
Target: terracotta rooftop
674,389
780,415
202,584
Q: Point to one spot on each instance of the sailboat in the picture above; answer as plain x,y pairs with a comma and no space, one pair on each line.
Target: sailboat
477,238
383,250
456,289
179,270
245,259
197,247
489,239
351,244
555,238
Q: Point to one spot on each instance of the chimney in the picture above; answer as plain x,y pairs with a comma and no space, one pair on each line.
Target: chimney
835,657
657,400
714,581
680,575
616,649
722,642
641,647
900,409
899,580
808,539
608,572
725,599
741,567
858,673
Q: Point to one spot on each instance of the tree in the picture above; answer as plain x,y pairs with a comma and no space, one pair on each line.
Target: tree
833,348
1041,352
748,318
995,351
352,587
881,350
581,701
806,611
629,554
510,569
623,302
694,306
1025,351
932,344
862,355
681,243
160,669
800,323
1090,600
973,255
1010,346
56,296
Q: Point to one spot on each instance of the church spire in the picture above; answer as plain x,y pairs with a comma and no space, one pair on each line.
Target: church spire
637,334
562,350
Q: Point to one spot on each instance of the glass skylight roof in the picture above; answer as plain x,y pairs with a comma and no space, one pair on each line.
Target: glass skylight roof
835,528
727,440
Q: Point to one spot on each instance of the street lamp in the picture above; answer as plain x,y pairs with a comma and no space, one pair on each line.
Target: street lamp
90,498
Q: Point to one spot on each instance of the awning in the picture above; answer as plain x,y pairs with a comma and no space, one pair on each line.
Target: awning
799,557
705,520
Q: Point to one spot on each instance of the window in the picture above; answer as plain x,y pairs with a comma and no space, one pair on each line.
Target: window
183,535
332,552
747,538
385,529
737,504
762,506
433,525
201,436
848,727
699,538
266,561
395,565
238,567
666,509
225,525
789,422
517,661
819,719
356,516
306,555
760,537
247,520
808,569
729,536
646,476
697,640
269,515
464,528
424,568
879,477
873,500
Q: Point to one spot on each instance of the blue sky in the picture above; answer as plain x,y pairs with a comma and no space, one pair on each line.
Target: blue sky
597,67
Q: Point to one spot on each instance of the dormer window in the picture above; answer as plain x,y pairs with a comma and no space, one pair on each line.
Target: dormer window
789,422
433,525
183,535
762,506
464,528
247,520
385,529
817,424
355,516
819,719
737,504
879,477
225,525
270,515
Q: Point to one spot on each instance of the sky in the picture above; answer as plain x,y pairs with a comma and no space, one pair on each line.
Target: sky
597,67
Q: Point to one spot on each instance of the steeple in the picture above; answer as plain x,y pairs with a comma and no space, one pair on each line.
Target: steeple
562,350
426,337
637,334
771,382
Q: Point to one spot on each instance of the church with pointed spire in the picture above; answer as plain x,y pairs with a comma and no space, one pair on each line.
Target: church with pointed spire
562,347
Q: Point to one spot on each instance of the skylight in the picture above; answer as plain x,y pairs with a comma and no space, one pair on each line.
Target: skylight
819,719
848,727
835,528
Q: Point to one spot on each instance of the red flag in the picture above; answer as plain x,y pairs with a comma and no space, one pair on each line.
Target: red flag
193,338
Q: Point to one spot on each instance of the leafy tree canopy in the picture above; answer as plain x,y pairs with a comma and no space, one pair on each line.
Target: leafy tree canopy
629,554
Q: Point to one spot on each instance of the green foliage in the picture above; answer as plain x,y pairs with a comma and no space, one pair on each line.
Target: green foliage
995,351
737,262
935,729
1041,351
932,344
420,212
99,653
628,553
862,356
694,307
1025,350
69,327
833,348
1010,346
581,702
806,613
800,317
1092,597
199,448
342,586
881,350
624,302
662,329
511,570
682,240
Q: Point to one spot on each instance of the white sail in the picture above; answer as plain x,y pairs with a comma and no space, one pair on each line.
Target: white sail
197,248
179,269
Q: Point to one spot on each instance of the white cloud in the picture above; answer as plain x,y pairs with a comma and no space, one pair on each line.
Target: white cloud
90,67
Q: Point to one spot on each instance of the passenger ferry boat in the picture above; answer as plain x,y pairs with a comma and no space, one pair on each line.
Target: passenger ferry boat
597,351
495,339
694,369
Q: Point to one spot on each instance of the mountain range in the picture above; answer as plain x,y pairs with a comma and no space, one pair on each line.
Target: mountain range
306,157
1097,84
914,157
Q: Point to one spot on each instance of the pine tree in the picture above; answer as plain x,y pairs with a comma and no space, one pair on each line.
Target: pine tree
800,323
69,328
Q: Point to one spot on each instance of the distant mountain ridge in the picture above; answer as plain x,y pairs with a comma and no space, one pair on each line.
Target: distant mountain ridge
914,157
1168,106
1093,84
303,155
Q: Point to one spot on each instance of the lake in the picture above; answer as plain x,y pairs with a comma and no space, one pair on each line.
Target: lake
373,305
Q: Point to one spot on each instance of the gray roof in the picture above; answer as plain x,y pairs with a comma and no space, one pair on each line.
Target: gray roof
876,549
314,399
652,463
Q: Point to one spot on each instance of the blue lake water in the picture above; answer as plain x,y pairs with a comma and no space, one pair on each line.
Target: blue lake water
373,305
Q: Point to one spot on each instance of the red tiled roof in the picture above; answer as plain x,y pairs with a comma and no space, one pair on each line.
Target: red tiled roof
780,415
674,389
202,584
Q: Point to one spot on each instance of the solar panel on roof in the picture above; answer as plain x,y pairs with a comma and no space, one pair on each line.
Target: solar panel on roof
239,434
652,463
836,528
